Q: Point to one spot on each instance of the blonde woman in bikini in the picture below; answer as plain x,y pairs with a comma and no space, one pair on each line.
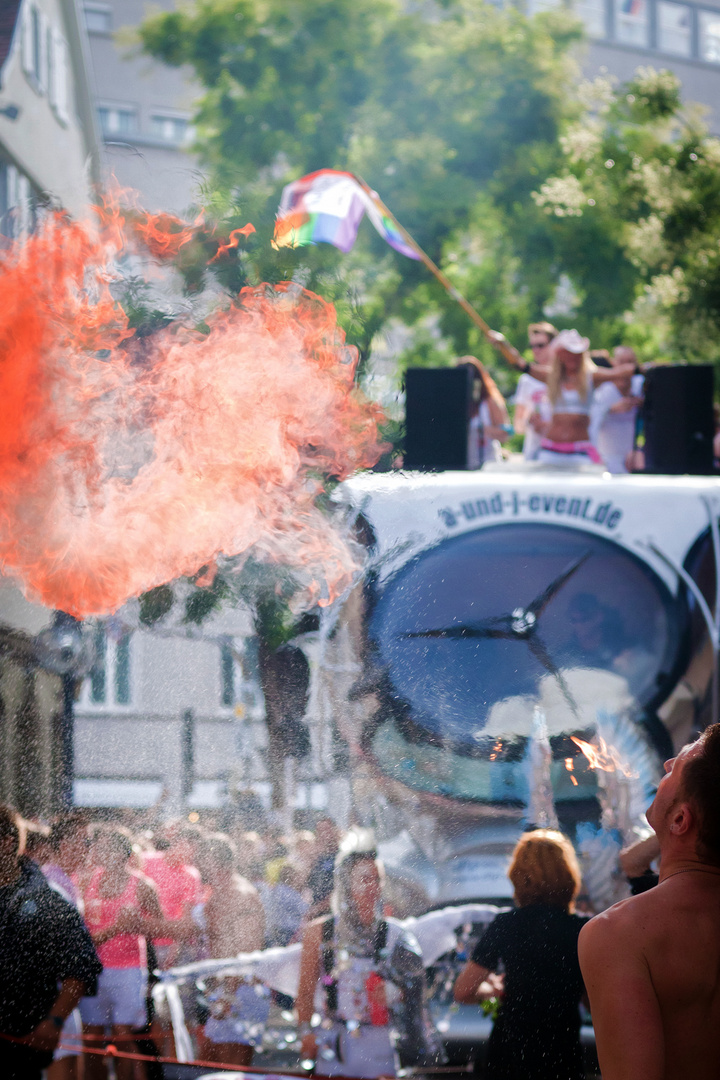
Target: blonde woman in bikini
571,378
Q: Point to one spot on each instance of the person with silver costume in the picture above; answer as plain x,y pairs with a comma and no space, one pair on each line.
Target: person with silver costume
363,974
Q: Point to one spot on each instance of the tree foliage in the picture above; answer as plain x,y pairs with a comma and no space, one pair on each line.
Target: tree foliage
451,118
640,189
593,204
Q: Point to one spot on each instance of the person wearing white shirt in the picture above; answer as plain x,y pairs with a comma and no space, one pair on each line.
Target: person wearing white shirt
614,412
531,394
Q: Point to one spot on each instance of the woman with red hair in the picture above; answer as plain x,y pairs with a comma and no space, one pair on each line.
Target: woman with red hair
536,1035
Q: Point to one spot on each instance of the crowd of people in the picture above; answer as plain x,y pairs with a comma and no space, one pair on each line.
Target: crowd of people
92,910
572,405
141,899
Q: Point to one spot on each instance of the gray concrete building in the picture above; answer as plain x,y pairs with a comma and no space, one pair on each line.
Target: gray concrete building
627,34
144,110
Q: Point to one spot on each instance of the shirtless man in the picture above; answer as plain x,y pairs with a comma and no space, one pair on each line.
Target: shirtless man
651,963
234,923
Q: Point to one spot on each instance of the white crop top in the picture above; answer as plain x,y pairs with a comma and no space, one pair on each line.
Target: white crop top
571,402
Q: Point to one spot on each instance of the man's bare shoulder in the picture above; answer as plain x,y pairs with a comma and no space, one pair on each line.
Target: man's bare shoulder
623,921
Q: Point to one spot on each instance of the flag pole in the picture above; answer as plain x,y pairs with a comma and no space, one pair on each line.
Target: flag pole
498,341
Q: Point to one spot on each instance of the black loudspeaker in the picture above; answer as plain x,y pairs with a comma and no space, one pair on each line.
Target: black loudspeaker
678,420
437,414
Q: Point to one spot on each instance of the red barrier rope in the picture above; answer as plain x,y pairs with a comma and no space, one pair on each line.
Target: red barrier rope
71,1042
111,1050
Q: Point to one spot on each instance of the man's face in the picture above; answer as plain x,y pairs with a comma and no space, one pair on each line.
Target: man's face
539,342
623,354
669,788
180,853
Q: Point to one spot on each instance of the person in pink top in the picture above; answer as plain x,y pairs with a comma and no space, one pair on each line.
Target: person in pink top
68,846
179,889
121,910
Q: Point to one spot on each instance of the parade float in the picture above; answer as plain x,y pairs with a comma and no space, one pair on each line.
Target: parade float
526,646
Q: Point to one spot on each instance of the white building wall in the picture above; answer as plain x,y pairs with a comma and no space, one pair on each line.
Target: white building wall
52,141
140,738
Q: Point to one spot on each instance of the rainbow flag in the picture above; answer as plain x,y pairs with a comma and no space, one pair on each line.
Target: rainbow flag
327,207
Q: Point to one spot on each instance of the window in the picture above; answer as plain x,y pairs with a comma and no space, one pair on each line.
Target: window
117,120
109,791
98,19
631,22
710,36
593,14
18,202
534,6
674,28
37,37
8,199
171,129
109,681
34,46
58,68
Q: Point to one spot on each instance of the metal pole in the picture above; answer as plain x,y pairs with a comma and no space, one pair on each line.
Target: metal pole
187,754
498,341
67,742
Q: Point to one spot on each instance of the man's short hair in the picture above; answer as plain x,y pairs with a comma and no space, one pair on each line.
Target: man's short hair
543,328
12,825
701,788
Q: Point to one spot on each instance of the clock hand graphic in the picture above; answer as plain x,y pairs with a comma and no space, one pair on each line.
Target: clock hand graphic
520,625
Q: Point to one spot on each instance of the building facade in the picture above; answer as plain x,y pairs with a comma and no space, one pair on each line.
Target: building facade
144,111
33,765
48,145
627,34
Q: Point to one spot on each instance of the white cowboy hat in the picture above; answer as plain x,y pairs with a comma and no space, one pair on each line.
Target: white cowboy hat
571,341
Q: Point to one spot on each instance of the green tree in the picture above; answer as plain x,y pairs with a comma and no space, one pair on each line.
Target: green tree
454,119
633,217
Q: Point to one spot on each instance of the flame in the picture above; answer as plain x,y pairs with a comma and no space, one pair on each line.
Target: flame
603,757
233,241
125,463
163,234
570,765
497,748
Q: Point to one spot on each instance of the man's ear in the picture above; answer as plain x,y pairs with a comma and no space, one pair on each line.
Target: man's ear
682,819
